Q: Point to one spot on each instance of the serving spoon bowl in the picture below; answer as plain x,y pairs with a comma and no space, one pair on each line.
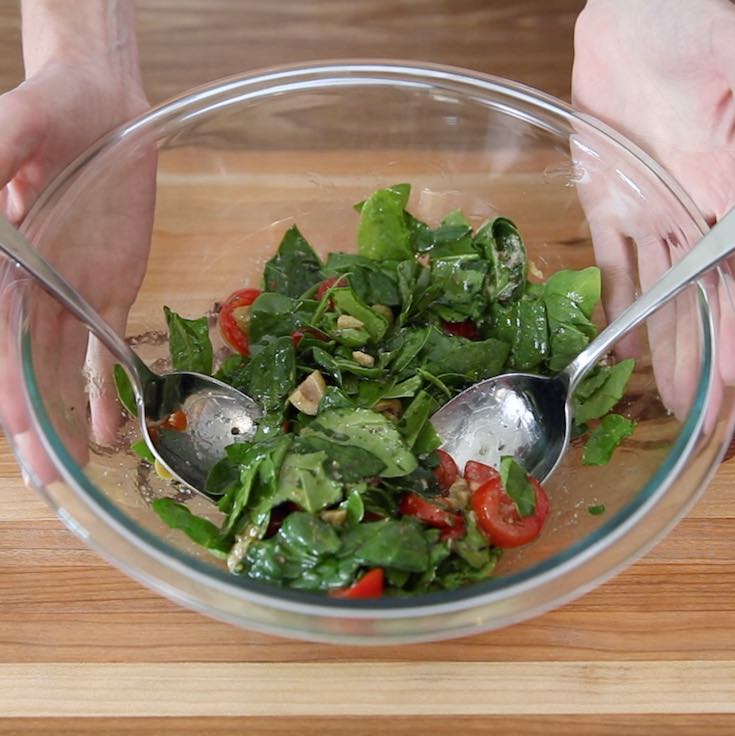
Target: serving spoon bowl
530,417
215,413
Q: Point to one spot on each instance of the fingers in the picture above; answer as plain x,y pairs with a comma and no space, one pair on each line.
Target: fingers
105,411
54,357
616,260
22,125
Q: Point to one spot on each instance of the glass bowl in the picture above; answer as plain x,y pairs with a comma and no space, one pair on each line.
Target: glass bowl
230,167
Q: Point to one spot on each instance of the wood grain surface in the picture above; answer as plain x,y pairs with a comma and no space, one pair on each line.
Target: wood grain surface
85,650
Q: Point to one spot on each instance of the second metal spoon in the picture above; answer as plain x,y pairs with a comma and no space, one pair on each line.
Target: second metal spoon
530,417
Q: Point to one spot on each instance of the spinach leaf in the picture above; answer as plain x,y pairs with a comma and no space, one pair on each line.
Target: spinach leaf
523,325
421,481
306,534
375,282
295,268
392,543
199,530
404,389
456,572
223,476
141,449
232,371
326,363
415,287
379,500
603,440
354,507
427,440
382,233
335,399
371,392
474,548
276,315
570,298
599,401
270,376
425,581
592,382
349,303
124,388
367,430
518,486
415,417
501,243
351,337
349,463
459,284
301,555
452,238
189,343
346,365
303,480
469,360
249,458
581,287
402,348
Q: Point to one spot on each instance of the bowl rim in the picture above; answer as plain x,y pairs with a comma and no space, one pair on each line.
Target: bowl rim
471,597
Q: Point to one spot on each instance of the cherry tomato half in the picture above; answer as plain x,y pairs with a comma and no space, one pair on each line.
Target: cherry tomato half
370,585
176,421
233,319
431,513
446,472
498,516
462,329
478,473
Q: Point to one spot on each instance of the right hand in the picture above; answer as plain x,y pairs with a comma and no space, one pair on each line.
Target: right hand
663,73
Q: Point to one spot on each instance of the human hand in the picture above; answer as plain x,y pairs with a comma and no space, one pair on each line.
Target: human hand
662,72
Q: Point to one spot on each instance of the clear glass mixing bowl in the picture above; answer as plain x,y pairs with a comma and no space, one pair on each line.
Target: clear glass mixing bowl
230,167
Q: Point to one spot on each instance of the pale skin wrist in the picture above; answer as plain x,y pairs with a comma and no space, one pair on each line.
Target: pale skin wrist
100,33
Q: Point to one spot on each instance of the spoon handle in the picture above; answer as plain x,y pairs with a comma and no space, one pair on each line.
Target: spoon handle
717,244
14,244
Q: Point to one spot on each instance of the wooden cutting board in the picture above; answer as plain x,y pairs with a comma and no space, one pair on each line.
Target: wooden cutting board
85,650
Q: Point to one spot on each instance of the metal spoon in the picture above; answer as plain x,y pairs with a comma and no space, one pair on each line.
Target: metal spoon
216,413
530,417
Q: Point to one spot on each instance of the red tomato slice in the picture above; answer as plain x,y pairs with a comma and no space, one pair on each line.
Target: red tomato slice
176,421
370,585
498,516
446,472
462,329
233,318
478,473
327,284
430,513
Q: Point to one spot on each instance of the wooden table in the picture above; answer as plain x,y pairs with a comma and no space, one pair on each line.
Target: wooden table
85,650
